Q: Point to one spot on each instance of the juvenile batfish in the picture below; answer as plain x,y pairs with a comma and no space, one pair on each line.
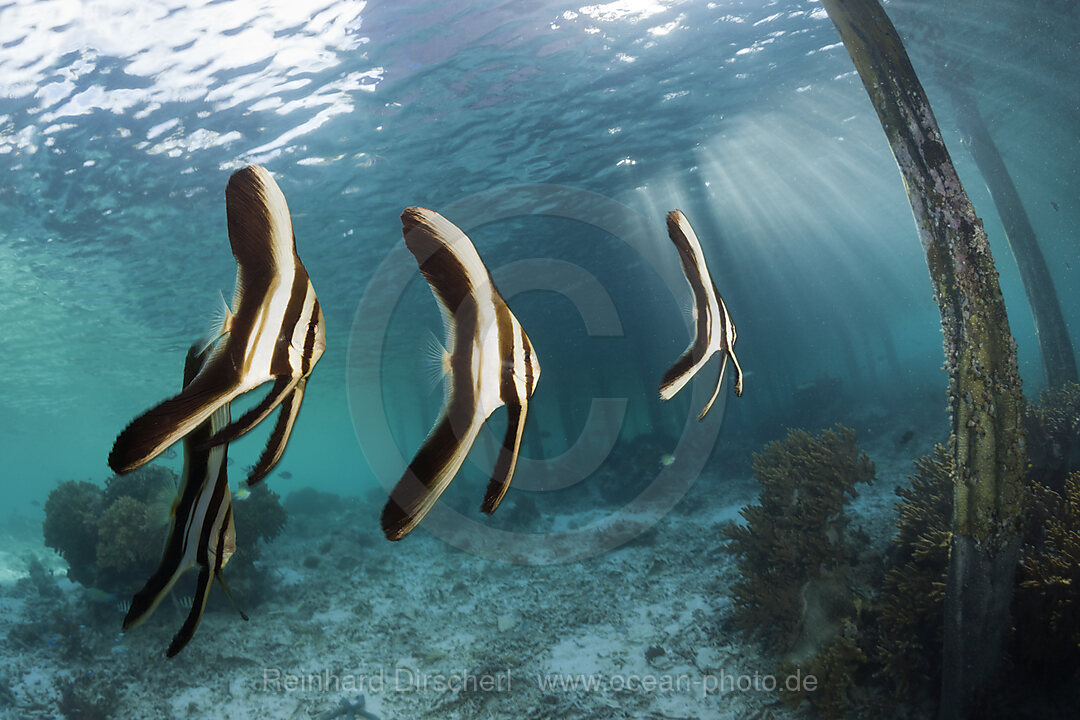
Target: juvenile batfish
714,330
490,363
202,533
276,335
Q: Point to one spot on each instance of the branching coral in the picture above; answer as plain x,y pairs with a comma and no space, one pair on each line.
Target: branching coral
1049,591
149,484
796,534
130,541
71,526
113,537
913,594
833,669
261,515
1053,435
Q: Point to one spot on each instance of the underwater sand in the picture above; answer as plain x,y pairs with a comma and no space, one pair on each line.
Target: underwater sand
654,611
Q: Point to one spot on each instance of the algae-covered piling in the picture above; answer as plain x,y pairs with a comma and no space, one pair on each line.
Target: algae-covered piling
980,356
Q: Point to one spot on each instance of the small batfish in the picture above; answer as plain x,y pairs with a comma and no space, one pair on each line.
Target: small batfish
276,335
202,533
714,330
490,363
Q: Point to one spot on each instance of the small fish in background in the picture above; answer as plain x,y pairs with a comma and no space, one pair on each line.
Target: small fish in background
202,533
97,595
906,437
714,330
490,363
242,493
276,335
1054,205
285,474
666,460
182,603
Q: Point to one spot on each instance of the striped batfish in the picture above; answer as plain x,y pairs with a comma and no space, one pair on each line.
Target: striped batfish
277,334
202,533
714,330
490,362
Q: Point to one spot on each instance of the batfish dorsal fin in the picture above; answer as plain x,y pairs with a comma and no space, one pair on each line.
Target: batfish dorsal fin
691,257
260,229
448,261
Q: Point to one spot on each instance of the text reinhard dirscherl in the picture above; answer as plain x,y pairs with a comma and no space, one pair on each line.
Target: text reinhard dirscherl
403,679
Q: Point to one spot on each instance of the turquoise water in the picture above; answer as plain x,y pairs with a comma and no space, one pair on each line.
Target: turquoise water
119,130
120,124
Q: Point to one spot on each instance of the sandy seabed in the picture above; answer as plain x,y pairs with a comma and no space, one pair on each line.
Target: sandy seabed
424,630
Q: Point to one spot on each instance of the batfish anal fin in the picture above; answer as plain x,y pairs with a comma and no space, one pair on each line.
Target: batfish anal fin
508,455
283,385
435,464
191,623
716,390
279,438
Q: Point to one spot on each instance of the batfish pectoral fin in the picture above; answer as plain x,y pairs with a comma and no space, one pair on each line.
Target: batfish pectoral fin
279,438
432,469
228,593
507,460
283,385
198,605
161,426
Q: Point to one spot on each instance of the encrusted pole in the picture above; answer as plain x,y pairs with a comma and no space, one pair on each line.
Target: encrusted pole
1059,362
980,356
